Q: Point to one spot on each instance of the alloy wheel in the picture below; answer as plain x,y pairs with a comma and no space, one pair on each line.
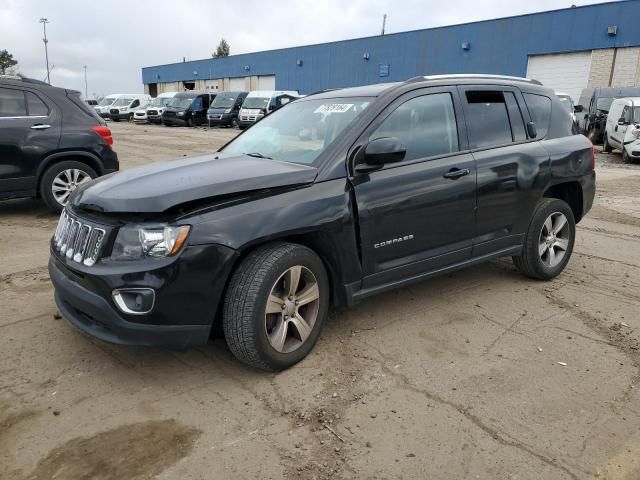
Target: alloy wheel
66,182
554,239
292,309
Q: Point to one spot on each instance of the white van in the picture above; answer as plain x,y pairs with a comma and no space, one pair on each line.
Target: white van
104,105
126,104
153,113
622,130
262,102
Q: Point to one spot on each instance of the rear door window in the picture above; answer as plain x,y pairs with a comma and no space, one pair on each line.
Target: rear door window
487,119
36,107
426,125
540,110
12,103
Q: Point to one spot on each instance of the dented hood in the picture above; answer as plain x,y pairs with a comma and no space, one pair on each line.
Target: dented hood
159,186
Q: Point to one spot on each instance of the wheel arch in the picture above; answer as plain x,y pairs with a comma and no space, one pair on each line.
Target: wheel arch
571,193
87,158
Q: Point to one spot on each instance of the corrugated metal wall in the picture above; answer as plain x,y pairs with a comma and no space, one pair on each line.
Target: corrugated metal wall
496,46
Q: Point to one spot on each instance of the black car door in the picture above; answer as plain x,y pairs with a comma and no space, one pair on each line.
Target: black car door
417,216
29,128
512,168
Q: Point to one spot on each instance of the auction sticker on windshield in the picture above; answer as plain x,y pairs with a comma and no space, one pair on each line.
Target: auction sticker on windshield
333,108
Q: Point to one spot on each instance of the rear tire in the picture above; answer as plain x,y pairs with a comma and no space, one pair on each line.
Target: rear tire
60,178
275,340
606,147
548,243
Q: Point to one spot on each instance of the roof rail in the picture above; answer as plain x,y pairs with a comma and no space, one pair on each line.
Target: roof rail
473,76
22,79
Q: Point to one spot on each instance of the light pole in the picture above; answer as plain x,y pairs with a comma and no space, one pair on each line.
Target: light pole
85,82
44,22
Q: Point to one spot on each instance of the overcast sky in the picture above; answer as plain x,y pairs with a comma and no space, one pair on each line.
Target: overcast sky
116,38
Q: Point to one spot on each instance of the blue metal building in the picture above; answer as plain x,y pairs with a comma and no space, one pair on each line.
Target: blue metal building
500,46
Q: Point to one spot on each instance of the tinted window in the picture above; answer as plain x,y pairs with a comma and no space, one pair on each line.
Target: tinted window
487,120
12,103
540,111
426,125
515,116
36,106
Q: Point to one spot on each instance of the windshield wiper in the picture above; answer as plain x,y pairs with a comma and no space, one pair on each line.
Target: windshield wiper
258,155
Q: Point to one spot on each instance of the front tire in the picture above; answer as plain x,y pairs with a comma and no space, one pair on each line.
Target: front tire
606,146
549,241
60,180
275,306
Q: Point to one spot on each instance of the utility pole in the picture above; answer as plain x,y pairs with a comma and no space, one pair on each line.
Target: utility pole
384,22
44,22
85,82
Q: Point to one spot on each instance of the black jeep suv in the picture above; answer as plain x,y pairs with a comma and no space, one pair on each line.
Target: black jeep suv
50,142
335,197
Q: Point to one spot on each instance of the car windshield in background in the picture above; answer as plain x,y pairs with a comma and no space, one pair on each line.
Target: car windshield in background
255,102
301,131
180,102
106,101
122,102
604,103
566,103
158,102
636,115
223,102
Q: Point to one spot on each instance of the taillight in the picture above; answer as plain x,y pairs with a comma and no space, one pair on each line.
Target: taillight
104,132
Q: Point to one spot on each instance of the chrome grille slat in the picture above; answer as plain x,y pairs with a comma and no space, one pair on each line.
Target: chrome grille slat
77,240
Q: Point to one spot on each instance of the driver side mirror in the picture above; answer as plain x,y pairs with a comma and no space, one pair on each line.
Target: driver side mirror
577,109
622,121
532,131
377,153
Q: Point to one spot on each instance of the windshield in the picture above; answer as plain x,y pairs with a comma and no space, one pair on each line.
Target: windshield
122,102
301,131
566,102
255,102
180,102
106,101
223,101
604,103
158,102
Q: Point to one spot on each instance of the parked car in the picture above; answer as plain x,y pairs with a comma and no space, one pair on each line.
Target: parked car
594,119
225,108
394,183
567,102
623,128
259,103
140,115
124,107
156,107
104,105
51,142
187,108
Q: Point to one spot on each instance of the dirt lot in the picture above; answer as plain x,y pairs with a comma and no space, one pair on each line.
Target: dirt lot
482,374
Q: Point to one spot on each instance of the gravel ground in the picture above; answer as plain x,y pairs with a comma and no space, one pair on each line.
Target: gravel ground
478,374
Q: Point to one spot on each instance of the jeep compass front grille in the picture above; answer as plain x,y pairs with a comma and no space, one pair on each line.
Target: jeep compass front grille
77,240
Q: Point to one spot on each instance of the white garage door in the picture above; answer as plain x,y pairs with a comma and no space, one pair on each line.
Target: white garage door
564,72
236,84
267,82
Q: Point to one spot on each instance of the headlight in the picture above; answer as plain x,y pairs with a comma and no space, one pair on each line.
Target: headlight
180,114
123,109
135,242
228,110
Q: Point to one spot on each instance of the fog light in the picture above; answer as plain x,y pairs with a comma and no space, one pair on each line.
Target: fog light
134,301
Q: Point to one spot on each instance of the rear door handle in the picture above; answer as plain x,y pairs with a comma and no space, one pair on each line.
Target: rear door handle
456,173
40,126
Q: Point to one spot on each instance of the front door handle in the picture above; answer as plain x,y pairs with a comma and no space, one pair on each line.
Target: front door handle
40,126
456,173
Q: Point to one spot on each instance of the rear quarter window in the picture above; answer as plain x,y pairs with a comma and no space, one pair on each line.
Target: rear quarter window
539,108
84,108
